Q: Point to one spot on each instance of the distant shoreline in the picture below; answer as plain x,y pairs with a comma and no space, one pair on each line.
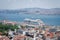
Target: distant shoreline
52,11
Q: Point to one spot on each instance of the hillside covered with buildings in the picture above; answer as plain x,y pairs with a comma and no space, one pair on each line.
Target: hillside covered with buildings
54,11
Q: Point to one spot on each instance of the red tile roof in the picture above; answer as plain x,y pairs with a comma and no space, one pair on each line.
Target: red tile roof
4,38
19,37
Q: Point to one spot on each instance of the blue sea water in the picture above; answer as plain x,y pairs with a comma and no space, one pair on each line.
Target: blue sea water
47,19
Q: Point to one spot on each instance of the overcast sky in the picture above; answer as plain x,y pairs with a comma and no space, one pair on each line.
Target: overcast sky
17,4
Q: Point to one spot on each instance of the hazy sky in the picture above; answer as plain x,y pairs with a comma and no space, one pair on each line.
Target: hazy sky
17,4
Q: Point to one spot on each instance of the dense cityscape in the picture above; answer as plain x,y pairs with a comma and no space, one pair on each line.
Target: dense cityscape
29,19
28,30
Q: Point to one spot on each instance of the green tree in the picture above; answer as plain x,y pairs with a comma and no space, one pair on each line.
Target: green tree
4,27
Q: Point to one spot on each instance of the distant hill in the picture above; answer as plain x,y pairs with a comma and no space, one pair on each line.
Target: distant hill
54,11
